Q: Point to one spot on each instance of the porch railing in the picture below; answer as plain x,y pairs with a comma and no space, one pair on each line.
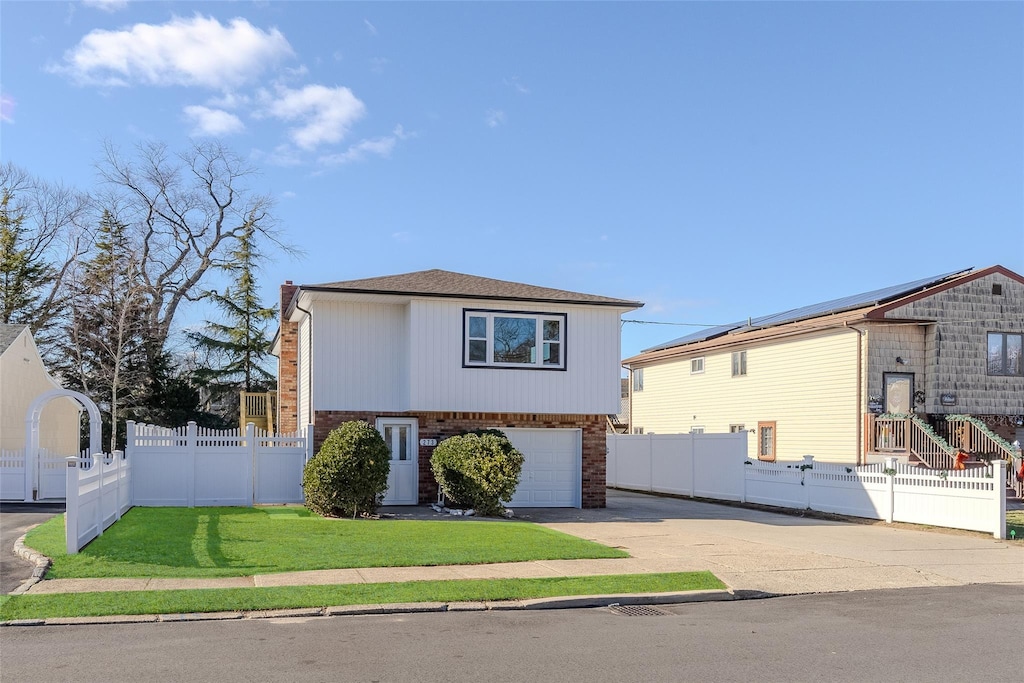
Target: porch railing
260,408
974,436
908,435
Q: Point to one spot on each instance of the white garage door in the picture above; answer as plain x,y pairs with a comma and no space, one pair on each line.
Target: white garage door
551,470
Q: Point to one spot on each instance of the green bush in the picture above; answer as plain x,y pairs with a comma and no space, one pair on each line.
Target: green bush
349,474
478,470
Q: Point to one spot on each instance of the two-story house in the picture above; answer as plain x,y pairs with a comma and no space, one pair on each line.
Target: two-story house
809,381
431,354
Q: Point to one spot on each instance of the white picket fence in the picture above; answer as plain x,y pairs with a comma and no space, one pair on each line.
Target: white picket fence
716,466
191,465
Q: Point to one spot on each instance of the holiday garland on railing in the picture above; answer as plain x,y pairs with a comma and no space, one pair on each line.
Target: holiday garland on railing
1000,441
924,426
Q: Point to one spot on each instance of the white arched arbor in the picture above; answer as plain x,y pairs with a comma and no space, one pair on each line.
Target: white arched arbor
35,411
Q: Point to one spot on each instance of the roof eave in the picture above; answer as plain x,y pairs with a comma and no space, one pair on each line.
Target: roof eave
612,303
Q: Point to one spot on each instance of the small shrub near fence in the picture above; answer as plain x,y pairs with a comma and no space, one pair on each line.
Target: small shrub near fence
349,474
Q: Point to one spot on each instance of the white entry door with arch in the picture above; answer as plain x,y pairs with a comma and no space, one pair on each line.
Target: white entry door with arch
400,435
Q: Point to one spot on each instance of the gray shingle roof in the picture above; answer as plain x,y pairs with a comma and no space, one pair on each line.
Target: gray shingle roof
443,283
8,333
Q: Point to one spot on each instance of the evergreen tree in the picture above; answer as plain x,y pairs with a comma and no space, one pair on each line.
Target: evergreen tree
23,273
238,346
105,348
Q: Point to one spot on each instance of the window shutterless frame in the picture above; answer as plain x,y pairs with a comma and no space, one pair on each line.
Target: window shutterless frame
501,339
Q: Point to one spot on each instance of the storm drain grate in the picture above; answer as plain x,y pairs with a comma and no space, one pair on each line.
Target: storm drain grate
638,611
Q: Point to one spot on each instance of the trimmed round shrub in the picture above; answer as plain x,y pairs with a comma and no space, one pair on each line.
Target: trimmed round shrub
349,474
478,471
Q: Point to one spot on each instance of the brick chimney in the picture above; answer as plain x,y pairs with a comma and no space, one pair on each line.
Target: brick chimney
288,366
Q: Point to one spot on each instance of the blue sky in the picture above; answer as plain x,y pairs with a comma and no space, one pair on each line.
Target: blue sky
714,160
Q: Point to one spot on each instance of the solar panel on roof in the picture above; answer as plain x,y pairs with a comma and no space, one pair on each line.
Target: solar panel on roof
873,297
695,337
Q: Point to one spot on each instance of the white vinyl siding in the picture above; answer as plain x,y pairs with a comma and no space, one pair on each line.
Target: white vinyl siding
408,355
304,393
807,385
589,384
360,356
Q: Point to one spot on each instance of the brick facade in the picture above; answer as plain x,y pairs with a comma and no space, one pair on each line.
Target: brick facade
288,367
442,425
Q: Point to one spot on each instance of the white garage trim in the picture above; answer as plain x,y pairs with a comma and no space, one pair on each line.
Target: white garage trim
552,474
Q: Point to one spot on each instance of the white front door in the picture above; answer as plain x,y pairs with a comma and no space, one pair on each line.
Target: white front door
403,480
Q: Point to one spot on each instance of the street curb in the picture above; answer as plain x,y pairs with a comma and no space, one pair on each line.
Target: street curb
42,563
566,602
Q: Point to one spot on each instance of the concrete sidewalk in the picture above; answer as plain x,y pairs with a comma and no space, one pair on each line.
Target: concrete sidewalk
750,550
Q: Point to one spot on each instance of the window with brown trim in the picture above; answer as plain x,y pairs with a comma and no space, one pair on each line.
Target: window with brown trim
766,441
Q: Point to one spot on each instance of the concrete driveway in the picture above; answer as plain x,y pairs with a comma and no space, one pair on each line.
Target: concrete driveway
786,554
15,520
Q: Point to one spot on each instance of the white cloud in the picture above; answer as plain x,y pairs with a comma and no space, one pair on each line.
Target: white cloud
229,100
288,194
192,52
381,147
6,108
370,27
517,85
326,113
494,117
403,236
377,64
106,5
282,155
214,122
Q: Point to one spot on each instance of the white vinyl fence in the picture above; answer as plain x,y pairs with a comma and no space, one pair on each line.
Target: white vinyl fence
98,493
182,467
191,465
716,466
43,479
12,475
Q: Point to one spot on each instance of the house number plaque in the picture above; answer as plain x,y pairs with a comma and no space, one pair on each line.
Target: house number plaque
428,442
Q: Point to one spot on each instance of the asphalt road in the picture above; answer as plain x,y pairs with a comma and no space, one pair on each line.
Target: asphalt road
970,633
15,520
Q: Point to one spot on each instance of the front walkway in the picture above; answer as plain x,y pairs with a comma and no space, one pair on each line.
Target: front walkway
748,549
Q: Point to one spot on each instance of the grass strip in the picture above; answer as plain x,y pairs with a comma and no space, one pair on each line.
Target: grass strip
1015,522
219,542
55,605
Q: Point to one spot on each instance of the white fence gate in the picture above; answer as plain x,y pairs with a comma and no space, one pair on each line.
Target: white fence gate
191,465
716,466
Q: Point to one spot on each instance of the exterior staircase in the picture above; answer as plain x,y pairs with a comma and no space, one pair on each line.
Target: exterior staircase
260,408
911,437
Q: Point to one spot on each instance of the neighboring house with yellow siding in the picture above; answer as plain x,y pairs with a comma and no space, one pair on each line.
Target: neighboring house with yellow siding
23,378
806,381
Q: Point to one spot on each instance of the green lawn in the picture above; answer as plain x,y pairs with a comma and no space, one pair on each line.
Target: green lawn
1015,522
234,541
248,599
